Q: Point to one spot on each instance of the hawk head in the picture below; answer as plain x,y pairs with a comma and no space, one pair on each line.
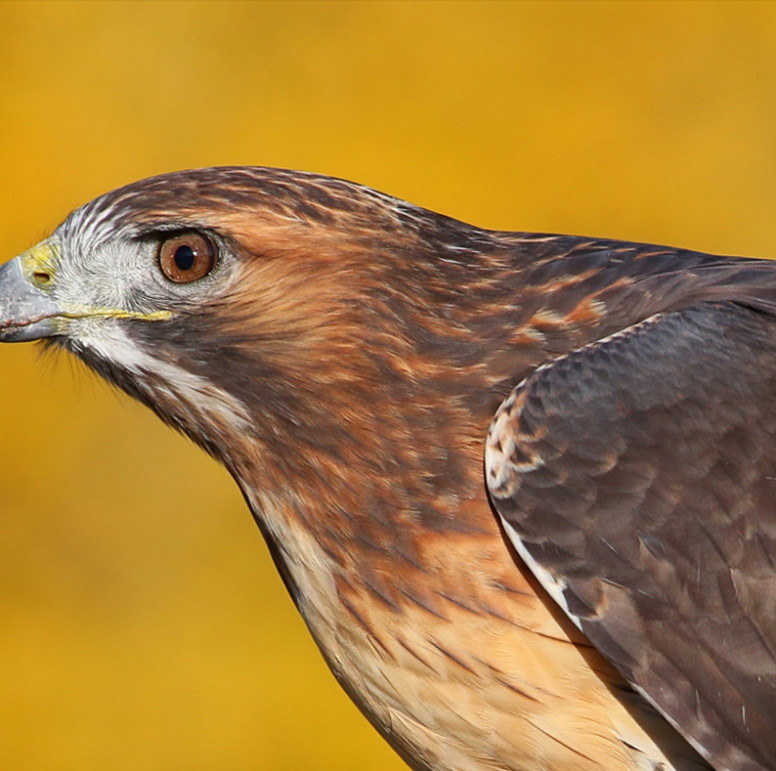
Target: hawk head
239,303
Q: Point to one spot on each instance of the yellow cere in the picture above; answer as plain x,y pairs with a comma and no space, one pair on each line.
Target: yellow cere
39,262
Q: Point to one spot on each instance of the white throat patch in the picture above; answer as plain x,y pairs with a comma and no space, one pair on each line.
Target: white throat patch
110,342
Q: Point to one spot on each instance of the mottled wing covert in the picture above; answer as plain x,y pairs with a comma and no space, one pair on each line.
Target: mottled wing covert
637,478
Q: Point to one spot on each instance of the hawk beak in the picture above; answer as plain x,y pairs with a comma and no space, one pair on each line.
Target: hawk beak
27,311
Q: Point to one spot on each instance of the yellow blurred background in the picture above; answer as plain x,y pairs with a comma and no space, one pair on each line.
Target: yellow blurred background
141,622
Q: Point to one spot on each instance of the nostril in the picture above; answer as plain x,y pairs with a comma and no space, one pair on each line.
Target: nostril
41,276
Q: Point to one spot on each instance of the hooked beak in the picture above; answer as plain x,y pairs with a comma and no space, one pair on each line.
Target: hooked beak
27,311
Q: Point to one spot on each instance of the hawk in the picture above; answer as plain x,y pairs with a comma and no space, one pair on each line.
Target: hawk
521,487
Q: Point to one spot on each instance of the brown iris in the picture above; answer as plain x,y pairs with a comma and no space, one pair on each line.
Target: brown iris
186,257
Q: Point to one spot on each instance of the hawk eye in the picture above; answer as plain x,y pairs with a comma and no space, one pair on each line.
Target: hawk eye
186,257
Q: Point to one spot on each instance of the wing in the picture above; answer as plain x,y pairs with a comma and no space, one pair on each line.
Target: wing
637,478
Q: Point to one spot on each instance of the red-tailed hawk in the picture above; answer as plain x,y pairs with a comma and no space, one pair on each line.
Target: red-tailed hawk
521,487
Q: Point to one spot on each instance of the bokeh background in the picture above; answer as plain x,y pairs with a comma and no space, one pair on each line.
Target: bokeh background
141,622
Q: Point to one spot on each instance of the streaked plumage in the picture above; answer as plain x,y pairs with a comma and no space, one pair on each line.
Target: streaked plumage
344,354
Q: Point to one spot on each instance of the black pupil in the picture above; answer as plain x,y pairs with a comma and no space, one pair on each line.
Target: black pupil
184,257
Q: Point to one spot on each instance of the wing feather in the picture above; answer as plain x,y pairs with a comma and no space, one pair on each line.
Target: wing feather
637,477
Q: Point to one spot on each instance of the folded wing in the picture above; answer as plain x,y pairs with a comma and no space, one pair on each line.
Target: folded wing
637,478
